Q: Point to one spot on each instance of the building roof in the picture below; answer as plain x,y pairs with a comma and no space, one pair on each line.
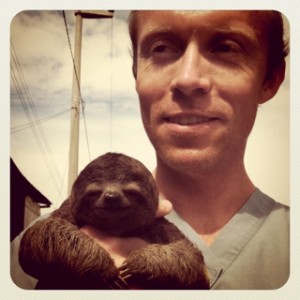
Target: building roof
18,181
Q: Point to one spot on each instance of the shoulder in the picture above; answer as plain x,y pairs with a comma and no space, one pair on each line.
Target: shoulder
269,249
278,213
276,221
263,262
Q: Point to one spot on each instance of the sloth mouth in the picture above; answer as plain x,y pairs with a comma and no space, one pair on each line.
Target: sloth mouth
114,209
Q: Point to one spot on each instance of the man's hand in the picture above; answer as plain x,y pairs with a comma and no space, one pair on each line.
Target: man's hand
164,208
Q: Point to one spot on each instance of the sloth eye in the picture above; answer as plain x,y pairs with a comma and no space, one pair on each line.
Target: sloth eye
130,192
93,194
133,194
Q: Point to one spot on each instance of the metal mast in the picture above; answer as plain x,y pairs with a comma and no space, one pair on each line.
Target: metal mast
76,96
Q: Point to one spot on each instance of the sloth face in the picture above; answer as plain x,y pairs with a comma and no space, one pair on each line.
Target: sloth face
116,194
114,208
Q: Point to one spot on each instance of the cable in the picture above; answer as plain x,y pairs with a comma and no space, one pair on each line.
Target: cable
111,79
37,122
86,133
31,113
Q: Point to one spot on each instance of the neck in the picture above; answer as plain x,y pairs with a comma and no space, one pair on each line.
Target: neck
207,200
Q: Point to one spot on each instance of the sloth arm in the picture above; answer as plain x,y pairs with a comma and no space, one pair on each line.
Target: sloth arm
55,246
170,261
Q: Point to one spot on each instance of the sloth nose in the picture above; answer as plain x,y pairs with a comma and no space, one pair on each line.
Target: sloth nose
112,198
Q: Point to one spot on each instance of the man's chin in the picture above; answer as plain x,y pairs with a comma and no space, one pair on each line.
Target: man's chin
186,160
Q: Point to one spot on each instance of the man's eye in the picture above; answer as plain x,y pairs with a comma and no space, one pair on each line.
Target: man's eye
227,48
165,51
160,49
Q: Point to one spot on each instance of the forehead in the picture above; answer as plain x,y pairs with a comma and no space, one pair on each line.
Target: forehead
185,22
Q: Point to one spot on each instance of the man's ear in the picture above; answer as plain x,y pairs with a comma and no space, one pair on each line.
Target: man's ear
134,71
272,84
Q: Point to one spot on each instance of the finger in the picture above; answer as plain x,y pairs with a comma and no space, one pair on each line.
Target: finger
164,208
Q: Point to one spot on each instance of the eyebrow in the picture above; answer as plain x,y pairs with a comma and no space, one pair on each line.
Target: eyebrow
249,41
235,31
157,32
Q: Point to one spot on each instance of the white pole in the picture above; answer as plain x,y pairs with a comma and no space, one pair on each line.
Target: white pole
76,96
75,105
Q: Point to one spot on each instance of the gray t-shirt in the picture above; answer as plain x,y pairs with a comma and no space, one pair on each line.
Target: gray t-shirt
252,250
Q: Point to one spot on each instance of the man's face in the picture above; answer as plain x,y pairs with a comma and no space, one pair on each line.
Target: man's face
200,78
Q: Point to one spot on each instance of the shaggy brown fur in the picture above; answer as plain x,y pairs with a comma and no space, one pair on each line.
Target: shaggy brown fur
118,195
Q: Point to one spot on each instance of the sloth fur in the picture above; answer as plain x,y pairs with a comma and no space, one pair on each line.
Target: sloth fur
117,195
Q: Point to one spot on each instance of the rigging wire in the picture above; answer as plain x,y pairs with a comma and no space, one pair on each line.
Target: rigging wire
78,84
111,79
22,127
31,113
86,133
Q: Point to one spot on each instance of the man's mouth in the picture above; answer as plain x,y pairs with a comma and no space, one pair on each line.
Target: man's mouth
188,120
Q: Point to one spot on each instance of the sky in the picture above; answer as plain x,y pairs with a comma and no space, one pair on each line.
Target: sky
42,69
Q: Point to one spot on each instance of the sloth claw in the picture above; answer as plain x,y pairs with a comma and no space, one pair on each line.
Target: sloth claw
125,274
125,271
119,283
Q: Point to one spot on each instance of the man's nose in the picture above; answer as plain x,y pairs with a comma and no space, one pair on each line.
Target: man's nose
191,78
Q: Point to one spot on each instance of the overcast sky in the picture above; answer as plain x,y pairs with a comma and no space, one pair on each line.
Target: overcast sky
41,61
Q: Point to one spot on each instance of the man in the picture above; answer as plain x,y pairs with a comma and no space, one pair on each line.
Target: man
200,76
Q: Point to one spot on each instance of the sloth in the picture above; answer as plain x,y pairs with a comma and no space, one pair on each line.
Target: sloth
117,195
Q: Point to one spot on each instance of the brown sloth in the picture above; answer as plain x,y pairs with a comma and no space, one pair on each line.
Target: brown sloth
117,195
